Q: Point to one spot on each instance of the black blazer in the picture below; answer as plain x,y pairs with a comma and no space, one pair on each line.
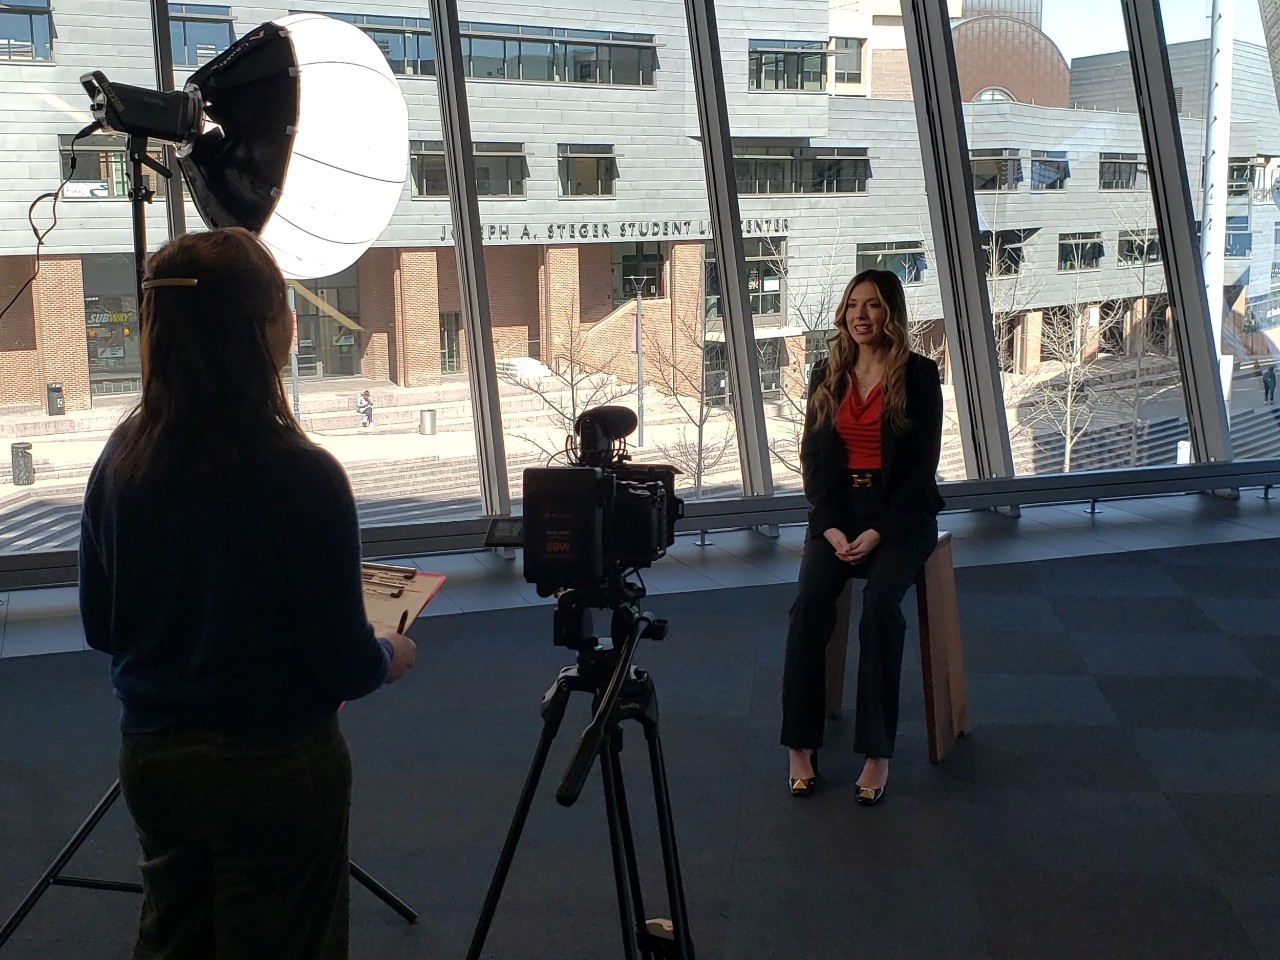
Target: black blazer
909,460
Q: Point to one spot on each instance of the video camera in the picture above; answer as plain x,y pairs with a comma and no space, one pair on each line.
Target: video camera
587,524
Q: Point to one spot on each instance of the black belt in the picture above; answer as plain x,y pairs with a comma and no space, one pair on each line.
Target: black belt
864,478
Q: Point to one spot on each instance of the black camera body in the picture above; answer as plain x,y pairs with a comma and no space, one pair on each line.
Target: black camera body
584,526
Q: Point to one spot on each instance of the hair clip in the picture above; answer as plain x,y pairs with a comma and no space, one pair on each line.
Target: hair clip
170,282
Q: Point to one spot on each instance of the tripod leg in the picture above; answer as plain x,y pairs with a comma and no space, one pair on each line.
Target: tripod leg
667,837
625,874
552,713
69,851
382,893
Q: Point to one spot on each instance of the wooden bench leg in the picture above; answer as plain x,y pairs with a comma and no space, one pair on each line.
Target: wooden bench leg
946,699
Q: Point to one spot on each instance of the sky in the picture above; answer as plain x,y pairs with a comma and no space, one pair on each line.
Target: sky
1084,27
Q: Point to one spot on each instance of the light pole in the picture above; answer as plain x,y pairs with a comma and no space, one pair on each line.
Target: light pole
293,356
638,283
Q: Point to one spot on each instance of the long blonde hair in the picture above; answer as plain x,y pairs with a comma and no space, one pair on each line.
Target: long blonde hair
843,353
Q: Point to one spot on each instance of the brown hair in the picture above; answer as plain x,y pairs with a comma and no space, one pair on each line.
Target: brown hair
207,370
843,353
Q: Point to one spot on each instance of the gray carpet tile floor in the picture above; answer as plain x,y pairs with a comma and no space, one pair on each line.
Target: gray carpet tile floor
1119,796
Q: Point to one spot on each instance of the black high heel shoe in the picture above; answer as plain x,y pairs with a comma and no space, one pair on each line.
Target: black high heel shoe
869,796
804,786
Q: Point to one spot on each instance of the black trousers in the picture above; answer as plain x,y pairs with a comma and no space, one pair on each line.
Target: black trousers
244,845
889,570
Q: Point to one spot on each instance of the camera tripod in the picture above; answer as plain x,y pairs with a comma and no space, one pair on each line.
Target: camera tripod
620,692
52,877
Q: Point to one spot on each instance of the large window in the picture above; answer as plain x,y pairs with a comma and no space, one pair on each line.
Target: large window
1239,241
330,338
101,171
1122,171
638,268
26,31
198,32
1049,170
1138,247
450,341
766,263
111,323
587,170
846,59
995,169
500,169
1002,251
1079,251
774,168
906,258
498,51
787,64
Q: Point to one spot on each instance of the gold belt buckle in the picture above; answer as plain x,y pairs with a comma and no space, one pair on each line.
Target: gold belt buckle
862,479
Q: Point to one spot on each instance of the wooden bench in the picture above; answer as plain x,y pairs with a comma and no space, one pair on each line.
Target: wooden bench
946,702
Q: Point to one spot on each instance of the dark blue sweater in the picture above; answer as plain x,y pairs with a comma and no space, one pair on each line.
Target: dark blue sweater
229,596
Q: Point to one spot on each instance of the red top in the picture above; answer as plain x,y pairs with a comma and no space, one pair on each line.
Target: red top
858,423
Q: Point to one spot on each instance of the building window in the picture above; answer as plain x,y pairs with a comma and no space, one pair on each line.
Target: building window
905,258
26,30
329,331
639,268
765,259
587,170
450,342
1050,170
426,168
1239,177
1138,247
1079,251
102,168
771,356
500,169
773,168
787,64
198,33
497,51
846,59
1239,240
1006,259
1121,171
995,169
111,323
994,95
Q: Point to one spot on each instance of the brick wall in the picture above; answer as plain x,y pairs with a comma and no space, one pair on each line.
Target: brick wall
890,75
377,278
559,282
421,299
20,368
58,295
513,297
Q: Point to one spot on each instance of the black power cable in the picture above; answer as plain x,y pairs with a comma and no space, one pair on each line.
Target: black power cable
31,213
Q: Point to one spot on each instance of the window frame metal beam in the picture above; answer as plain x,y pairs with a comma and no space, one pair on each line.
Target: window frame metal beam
958,262
473,284
1175,222
726,229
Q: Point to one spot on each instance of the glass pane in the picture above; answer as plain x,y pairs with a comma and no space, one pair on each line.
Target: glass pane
16,36
537,60
1091,379
487,57
1242,192
565,264
204,41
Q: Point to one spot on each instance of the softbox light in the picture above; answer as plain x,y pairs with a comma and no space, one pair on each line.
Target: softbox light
298,131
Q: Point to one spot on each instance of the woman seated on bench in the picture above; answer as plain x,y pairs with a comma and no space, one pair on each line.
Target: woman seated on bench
872,437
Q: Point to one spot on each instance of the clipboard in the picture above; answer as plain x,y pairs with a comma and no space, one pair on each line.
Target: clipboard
395,596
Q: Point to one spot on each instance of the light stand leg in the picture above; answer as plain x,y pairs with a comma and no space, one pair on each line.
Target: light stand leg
553,705
382,893
50,876
624,868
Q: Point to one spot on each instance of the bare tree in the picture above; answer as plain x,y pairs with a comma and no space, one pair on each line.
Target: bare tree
679,360
574,381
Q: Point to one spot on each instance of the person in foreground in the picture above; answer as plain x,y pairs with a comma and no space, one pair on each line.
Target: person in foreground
220,568
869,453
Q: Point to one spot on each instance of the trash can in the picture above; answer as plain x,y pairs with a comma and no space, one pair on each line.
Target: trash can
55,403
427,422
24,471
